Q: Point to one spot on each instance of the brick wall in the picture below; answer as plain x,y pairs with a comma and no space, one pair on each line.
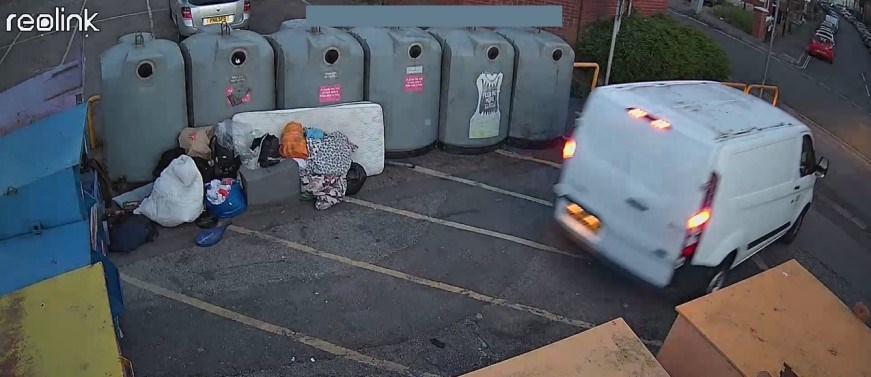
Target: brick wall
577,14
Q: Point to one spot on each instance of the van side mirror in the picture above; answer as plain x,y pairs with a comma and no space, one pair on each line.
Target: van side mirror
822,168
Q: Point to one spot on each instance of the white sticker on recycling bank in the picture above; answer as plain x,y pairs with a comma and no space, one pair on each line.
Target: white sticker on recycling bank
414,70
487,116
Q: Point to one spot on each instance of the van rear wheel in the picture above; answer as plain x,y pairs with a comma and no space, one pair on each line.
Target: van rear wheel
693,282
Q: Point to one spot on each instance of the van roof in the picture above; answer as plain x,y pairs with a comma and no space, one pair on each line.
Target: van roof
704,110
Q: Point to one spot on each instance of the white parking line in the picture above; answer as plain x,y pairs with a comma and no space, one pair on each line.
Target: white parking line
438,174
757,260
322,345
527,158
845,213
424,281
72,36
468,228
5,54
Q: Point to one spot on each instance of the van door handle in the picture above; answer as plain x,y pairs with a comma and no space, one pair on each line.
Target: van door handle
796,187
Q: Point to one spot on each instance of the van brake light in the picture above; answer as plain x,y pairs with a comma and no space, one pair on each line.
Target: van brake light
637,113
660,124
697,223
657,123
186,13
699,219
569,149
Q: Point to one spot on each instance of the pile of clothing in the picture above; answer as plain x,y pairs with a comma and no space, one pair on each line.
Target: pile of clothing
324,161
327,172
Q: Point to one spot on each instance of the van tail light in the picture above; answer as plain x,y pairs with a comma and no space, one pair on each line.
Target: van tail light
247,6
569,149
186,13
697,223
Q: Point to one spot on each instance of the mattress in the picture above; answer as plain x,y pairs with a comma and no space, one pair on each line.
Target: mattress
361,122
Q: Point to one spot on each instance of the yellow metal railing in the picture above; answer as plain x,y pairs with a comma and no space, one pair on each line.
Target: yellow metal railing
762,89
737,85
92,136
595,67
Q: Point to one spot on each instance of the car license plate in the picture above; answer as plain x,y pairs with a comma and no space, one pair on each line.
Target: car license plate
582,216
217,20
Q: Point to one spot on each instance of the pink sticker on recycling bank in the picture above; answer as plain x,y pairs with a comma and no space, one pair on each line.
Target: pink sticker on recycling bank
330,93
413,83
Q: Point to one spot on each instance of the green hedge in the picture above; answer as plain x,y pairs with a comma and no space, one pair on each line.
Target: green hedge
654,48
735,15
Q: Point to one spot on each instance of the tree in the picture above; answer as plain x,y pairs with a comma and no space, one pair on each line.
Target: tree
652,48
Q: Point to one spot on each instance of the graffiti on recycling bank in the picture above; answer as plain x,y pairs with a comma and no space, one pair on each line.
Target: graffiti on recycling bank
485,121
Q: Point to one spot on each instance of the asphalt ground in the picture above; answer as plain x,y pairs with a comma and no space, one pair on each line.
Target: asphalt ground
435,271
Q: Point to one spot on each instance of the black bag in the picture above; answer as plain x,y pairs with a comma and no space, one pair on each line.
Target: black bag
227,163
165,159
270,154
356,178
131,231
207,170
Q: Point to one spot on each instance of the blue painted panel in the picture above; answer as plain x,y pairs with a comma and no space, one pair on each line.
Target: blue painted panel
41,182
43,148
31,258
50,202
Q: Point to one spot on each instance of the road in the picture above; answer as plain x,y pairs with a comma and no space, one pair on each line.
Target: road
435,271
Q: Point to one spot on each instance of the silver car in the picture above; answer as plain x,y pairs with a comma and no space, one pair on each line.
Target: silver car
189,16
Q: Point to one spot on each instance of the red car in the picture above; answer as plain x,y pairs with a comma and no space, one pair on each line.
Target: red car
822,47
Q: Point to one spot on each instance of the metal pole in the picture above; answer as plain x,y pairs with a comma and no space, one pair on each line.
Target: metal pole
770,44
613,41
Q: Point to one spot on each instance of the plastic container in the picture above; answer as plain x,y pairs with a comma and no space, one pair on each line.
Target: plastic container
403,75
229,72
143,102
543,65
317,66
477,75
233,205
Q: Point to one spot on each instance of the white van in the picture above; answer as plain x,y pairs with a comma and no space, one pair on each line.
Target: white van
679,181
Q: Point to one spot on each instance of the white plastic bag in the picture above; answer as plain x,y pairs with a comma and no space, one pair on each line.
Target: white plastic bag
177,196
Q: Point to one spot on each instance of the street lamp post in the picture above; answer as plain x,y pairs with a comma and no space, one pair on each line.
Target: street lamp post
770,43
617,18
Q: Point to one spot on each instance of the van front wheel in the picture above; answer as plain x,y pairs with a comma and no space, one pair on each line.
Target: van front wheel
792,233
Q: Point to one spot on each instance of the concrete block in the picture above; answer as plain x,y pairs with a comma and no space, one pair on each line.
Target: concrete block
277,184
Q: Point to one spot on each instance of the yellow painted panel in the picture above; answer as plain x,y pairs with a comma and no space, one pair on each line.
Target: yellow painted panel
607,350
783,315
59,327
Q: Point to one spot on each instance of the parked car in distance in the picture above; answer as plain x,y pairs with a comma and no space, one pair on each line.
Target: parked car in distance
825,35
822,48
189,16
711,180
833,21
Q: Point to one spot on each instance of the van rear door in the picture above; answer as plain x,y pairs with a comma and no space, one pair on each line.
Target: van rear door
642,183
